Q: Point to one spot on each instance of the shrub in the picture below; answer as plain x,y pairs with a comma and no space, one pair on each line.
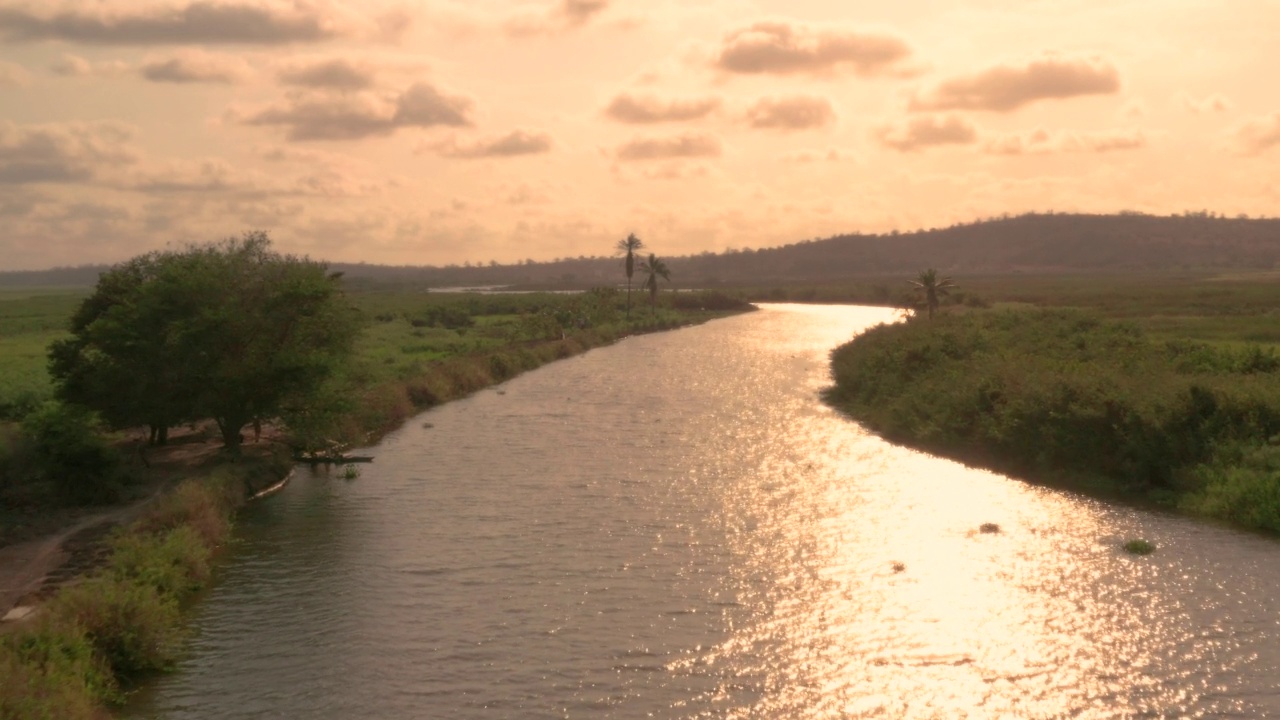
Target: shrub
1138,546
49,671
199,505
68,450
174,564
130,625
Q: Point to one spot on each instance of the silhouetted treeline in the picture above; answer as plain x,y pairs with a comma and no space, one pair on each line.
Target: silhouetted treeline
1033,243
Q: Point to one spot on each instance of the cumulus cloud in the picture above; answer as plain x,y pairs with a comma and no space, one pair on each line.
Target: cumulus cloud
1257,135
925,131
310,116
193,66
1214,103
60,153
688,145
199,21
784,48
645,109
792,113
13,75
805,157
1044,142
517,142
1005,88
336,73
564,15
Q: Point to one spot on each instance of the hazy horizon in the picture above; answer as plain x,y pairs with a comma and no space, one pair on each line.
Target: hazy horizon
439,132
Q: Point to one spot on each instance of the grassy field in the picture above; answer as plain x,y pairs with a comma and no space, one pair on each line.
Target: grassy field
30,319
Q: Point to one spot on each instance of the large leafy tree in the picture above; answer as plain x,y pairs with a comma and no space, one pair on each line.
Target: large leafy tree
628,247
653,268
932,289
231,331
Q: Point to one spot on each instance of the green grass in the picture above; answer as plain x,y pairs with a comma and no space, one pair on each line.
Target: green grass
1138,546
30,319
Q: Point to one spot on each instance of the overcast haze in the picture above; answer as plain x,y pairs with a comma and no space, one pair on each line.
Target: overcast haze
444,132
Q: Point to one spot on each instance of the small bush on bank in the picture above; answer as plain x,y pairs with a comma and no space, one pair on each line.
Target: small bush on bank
68,450
173,564
49,671
1138,546
130,625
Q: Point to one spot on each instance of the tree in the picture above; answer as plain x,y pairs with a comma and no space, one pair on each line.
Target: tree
628,247
932,288
653,268
231,331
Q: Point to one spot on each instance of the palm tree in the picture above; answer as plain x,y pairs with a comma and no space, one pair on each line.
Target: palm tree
628,247
652,268
932,288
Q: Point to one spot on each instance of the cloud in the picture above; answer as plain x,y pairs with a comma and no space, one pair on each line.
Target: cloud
805,157
793,113
681,146
1005,88
783,48
517,142
647,109
193,66
13,75
75,66
199,21
1212,104
927,131
565,15
336,74
1044,142
310,116
1257,135
60,153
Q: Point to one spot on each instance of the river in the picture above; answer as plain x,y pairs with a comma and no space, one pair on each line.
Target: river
675,526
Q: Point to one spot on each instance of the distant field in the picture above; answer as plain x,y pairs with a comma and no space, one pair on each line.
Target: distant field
30,319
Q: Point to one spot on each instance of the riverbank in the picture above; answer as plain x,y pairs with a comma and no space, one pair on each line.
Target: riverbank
82,648
1069,398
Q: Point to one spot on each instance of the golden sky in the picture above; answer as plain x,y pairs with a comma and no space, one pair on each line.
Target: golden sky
441,131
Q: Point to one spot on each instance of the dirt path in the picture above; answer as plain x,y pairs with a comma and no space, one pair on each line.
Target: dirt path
32,569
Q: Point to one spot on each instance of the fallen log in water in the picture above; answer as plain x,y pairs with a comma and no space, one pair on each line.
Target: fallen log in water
332,459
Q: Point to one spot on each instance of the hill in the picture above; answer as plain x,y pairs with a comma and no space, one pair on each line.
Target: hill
1031,244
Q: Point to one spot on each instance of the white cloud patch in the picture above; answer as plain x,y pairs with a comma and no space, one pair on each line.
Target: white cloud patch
784,48
807,157
926,131
647,109
317,116
1006,88
1214,103
61,153
689,145
75,66
791,113
1257,135
513,144
1045,142
195,66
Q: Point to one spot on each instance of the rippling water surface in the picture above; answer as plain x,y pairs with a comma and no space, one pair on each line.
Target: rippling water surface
676,527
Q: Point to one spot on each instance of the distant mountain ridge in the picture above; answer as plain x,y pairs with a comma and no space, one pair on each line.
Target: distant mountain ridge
1032,243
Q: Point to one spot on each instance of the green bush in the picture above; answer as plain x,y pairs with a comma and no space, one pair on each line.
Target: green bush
68,450
174,564
49,671
130,625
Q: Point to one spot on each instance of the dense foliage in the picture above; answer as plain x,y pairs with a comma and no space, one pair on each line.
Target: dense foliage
230,331
1062,395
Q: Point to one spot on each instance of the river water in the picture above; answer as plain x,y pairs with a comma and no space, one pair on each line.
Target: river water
676,527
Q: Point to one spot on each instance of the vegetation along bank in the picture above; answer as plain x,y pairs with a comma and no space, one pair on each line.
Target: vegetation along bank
1075,398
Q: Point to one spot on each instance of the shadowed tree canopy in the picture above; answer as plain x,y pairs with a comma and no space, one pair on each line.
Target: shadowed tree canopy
231,331
932,288
628,247
653,268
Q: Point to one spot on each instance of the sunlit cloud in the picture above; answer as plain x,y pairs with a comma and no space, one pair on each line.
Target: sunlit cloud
318,116
331,73
791,113
513,144
785,48
1044,142
680,146
918,133
193,66
1257,135
200,21
646,109
1005,88
1214,103
806,157
564,15
75,66
61,152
